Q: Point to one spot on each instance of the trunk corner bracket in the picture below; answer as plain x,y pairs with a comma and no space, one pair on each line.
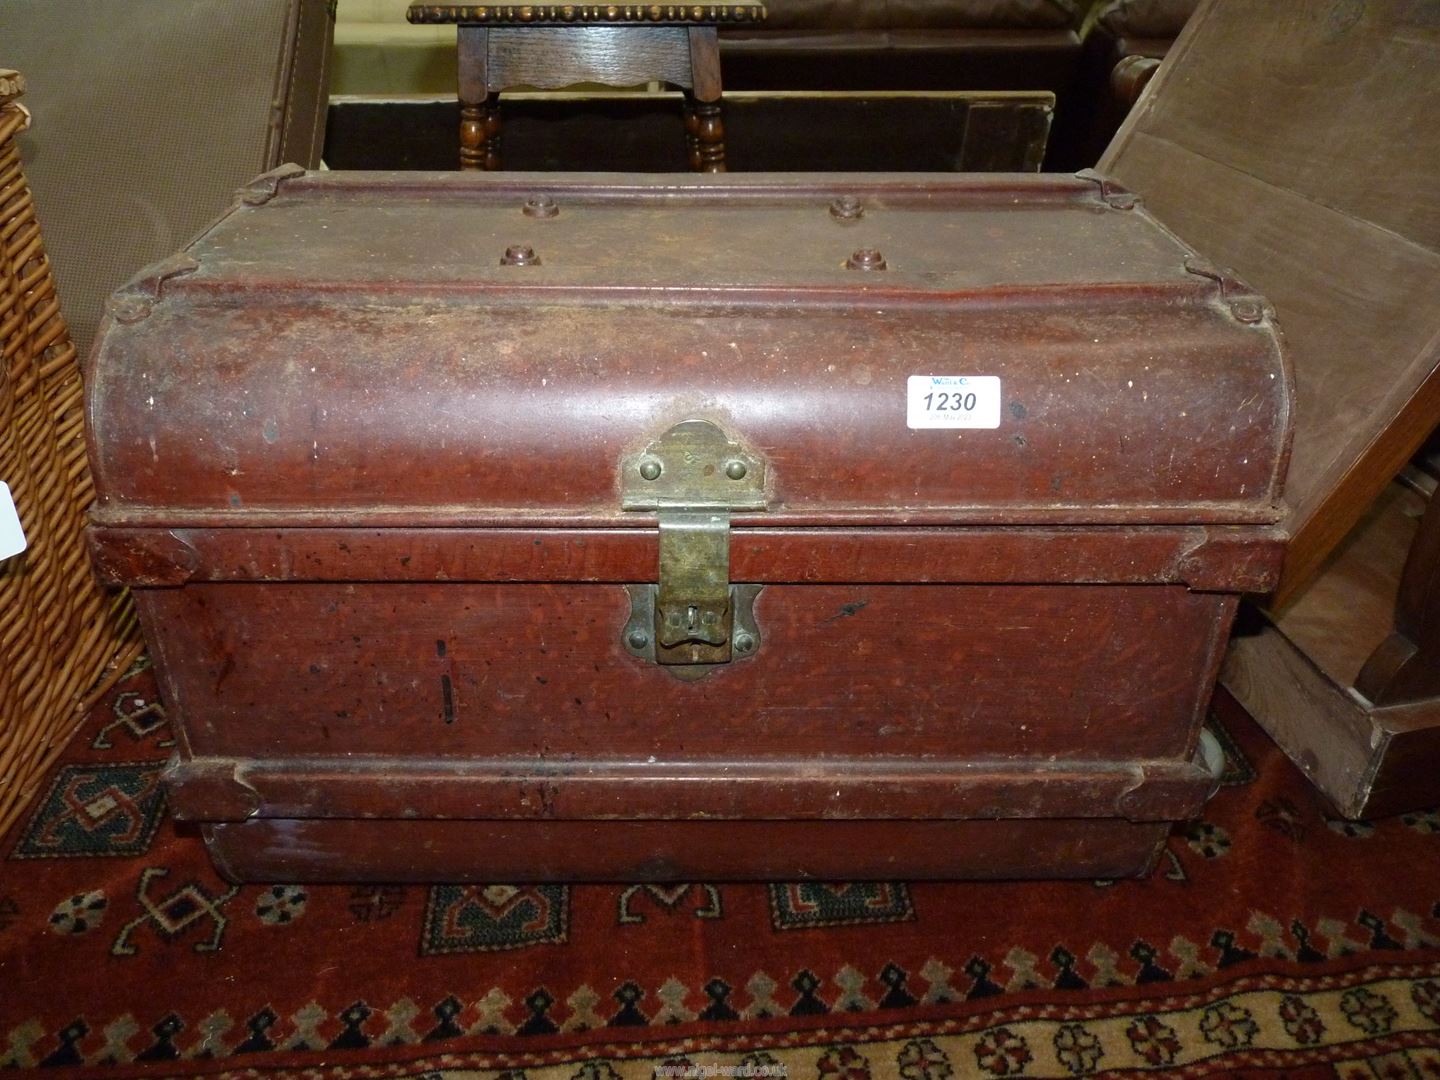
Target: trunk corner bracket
136,299
1111,192
267,185
1244,303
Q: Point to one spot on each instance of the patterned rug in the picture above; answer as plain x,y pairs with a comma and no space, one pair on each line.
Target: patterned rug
1271,941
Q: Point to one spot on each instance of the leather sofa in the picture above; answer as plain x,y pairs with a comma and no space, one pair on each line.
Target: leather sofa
907,45
1116,34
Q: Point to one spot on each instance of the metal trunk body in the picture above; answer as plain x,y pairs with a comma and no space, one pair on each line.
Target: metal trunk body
519,527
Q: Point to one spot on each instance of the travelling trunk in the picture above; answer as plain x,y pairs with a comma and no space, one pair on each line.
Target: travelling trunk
523,527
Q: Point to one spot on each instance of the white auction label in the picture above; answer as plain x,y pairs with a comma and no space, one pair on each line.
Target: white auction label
952,401
12,536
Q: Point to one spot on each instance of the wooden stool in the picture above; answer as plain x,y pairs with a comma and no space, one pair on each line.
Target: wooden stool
551,46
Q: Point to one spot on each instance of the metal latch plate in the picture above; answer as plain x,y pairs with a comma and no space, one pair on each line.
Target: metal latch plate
692,477
692,603
693,466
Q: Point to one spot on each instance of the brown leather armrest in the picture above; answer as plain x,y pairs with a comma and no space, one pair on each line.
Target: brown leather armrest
1130,77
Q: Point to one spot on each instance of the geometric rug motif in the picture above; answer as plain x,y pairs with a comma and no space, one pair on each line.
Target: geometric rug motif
1378,1021
375,903
139,717
704,900
96,810
175,911
491,918
79,913
280,905
1374,1023
811,904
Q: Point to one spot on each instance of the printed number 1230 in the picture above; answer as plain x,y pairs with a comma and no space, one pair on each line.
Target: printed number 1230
952,401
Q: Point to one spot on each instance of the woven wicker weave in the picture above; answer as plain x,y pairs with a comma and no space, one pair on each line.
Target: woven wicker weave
61,635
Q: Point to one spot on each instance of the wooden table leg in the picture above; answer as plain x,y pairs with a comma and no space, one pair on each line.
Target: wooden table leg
704,124
1406,666
480,135
492,132
692,131
704,135
479,109
710,137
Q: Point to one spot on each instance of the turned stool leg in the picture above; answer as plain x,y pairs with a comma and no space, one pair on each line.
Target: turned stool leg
492,133
480,134
692,132
704,126
479,109
472,136
709,154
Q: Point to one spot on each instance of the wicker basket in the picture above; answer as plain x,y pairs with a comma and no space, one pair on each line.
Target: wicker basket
61,634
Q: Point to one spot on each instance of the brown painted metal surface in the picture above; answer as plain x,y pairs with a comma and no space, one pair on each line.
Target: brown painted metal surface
389,850
367,482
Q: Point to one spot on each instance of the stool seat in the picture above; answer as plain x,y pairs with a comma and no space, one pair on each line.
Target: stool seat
551,46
